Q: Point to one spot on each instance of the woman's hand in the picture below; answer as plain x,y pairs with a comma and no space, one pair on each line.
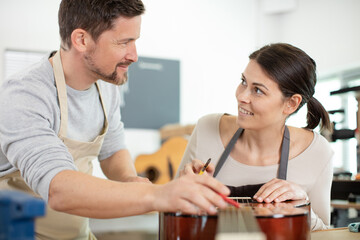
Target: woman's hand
195,167
279,190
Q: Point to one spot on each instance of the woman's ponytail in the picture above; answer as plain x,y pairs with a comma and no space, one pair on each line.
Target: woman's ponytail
317,112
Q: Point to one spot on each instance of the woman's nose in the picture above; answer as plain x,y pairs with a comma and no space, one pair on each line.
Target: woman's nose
243,95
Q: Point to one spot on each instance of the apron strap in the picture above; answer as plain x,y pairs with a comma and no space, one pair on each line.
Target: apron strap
61,90
106,123
284,158
62,96
285,146
227,151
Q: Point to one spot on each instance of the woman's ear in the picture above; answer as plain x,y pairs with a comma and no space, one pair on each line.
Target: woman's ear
80,39
292,104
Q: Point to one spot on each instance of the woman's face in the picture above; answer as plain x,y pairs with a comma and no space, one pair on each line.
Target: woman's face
260,101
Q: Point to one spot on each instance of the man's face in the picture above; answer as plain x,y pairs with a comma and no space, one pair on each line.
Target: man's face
108,58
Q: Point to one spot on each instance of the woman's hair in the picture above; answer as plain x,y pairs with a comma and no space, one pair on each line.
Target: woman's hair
94,16
295,73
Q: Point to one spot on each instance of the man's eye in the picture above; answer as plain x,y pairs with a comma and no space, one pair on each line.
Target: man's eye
122,44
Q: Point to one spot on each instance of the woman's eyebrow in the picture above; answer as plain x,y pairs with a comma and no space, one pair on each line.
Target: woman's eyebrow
255,83
261,85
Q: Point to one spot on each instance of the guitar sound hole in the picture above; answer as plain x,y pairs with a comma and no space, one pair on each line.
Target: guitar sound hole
152,174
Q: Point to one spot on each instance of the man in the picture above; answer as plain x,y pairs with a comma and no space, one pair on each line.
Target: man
55,118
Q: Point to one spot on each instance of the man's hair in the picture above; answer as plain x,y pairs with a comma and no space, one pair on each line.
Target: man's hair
94,16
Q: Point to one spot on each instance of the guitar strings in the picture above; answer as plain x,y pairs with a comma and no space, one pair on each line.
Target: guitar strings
238,219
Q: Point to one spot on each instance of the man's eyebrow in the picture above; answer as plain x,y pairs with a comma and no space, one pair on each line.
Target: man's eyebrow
126,39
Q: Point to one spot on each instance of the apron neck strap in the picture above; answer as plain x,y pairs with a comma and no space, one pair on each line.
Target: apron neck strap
227,151
61,90
285,146
62,95
284,157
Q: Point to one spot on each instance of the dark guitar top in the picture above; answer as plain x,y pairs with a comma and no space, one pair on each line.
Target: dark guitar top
275,221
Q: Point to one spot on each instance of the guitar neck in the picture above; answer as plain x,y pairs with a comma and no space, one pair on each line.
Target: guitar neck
238,223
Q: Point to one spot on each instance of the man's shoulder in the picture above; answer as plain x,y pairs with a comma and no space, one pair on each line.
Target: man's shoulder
37,75
32,86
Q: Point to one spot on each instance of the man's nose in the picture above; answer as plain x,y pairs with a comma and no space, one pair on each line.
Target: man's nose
132,53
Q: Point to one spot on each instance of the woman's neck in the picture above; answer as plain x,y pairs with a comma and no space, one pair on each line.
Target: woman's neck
259,147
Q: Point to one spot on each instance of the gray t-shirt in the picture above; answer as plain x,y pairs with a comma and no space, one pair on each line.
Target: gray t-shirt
30,121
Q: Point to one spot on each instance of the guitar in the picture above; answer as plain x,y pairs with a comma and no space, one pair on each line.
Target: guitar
161,166
256,221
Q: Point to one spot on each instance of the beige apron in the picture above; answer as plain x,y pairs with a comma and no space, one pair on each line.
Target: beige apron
58,225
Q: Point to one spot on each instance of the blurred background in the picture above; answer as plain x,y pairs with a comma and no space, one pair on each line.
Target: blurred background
192,54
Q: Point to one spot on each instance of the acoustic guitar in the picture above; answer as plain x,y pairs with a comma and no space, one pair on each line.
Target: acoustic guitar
256,221
161,166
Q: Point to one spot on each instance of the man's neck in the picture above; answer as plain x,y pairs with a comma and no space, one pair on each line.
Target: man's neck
75,73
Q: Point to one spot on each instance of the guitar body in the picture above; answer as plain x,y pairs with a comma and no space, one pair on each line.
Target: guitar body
176,226
283,221
160,167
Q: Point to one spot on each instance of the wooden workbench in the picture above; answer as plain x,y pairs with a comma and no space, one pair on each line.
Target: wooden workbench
344,204
335,234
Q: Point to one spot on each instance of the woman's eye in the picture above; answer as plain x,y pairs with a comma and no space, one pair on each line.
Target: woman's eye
258,91
243,82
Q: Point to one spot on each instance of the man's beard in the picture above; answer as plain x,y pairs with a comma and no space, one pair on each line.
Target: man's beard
113,78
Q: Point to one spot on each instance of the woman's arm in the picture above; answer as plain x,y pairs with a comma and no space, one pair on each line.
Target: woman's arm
189,153
320,197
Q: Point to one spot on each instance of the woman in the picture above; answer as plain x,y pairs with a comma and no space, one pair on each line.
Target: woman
266,159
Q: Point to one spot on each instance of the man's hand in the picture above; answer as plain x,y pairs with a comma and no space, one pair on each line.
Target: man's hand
191,194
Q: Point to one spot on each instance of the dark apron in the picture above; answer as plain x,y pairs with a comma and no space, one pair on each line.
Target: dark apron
250,190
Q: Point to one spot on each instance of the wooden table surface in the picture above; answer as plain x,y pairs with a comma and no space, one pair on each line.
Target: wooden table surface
335,233
344,204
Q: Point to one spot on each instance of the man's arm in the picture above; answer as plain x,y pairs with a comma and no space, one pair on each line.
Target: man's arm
120,167
84,195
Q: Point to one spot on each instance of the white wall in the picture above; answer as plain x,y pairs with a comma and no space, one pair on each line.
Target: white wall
28,25
328,30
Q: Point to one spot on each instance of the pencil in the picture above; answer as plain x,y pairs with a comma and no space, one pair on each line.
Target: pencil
205,166
230,201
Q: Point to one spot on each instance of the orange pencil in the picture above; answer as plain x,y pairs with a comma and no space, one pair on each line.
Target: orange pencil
230,201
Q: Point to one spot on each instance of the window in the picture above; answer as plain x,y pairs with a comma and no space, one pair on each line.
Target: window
345,149
16,60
